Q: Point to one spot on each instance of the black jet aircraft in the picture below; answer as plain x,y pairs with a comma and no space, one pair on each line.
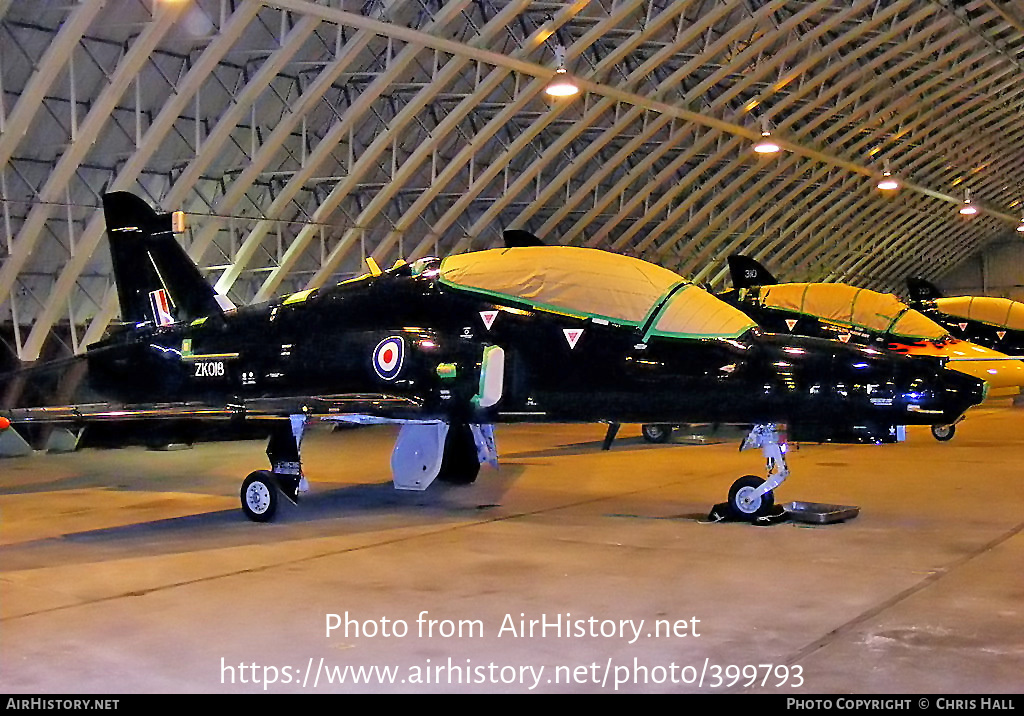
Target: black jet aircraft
449,347
854,315
990,321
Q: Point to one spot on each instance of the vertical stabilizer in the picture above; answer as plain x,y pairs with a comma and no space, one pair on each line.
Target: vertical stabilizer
922,290
156,280
747,272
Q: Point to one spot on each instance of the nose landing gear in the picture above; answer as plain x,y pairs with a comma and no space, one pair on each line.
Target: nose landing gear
750,497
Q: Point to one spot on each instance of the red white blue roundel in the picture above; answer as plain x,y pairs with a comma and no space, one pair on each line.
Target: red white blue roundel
388,357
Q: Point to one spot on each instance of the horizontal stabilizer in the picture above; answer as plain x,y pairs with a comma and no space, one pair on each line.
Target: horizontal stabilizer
747,272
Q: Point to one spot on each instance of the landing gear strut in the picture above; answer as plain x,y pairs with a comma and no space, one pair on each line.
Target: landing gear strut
751,497
262,489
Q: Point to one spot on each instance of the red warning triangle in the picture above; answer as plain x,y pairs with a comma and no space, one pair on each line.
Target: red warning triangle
790,322
1001,334
844,337
963,326
488,318
572,336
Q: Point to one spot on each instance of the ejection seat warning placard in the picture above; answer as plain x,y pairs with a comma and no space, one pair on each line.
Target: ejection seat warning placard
430,658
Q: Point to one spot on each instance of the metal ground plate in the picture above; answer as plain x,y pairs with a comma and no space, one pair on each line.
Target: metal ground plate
819,513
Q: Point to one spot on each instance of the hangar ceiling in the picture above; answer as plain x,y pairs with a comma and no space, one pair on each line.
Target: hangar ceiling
303,136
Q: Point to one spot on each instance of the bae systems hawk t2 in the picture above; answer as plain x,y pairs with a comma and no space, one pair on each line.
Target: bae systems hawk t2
990,321
854,315
449,347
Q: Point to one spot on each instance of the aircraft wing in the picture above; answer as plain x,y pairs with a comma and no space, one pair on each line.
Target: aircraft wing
325,407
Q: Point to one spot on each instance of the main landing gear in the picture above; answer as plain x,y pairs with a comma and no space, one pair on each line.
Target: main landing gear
262,489
656,432
750,497
943,433
424,451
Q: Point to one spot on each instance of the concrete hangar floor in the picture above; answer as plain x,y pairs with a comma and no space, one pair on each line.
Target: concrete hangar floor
135,571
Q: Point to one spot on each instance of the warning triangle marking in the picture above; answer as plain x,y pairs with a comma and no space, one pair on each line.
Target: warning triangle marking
790,322
488,318
572,336
963,326
844,337
1001,334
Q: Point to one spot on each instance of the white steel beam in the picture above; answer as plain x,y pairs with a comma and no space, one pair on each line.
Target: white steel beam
155,135
56,57
99,113
351,117
420,154
221,133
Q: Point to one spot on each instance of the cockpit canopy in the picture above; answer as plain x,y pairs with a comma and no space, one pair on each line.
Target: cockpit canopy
591,283
852,306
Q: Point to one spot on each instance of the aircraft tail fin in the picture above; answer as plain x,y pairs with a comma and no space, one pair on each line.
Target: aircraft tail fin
747,272
156,280
515,238
922,290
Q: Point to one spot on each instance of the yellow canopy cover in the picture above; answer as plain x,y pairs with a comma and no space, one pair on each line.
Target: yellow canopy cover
595,283
995,311
857,307
692,311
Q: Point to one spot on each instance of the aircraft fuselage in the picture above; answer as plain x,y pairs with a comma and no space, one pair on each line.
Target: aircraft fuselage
419,343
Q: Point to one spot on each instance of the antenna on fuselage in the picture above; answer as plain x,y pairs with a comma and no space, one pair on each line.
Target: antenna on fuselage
516,238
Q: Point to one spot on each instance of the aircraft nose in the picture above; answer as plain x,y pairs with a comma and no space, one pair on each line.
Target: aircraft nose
913,386
971,389
946,390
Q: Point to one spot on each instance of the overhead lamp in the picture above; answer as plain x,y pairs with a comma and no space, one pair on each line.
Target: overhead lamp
888,183
561,85
766,145
968,209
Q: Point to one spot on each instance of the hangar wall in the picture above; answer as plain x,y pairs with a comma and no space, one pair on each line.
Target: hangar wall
996,270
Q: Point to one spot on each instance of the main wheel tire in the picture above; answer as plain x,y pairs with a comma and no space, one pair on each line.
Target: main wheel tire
260,496
656,432
942,433
459,464
741,506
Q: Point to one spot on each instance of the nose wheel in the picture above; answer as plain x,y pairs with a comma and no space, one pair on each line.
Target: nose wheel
747,502
750,497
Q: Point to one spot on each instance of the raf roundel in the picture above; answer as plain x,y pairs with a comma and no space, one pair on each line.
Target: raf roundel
388,357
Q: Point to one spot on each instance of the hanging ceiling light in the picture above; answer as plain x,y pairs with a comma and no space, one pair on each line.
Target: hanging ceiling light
766,145
968,209
561,85
888,183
